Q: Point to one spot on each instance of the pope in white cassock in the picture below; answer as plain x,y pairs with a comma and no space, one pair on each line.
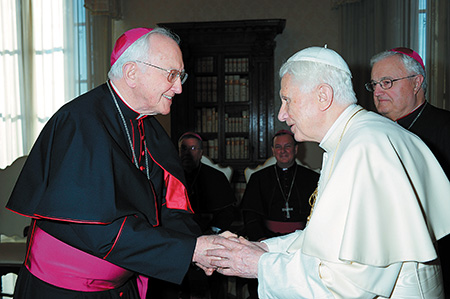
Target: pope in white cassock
382,200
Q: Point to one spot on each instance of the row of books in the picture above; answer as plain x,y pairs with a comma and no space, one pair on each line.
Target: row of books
211,148
236,65
206,89
236,89
236,148
232,65
237,124
205,65
207,121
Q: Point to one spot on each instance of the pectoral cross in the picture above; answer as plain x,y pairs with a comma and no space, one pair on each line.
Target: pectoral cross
287,209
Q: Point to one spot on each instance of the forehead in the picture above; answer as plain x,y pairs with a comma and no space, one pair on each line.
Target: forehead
163,48
286,84
189,141
390,67
282,139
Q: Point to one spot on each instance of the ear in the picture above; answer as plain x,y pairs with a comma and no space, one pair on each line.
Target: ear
129,71
418,80
326,94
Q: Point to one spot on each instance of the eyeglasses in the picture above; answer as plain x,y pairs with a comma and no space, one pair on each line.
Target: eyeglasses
385,83
173,74
184,148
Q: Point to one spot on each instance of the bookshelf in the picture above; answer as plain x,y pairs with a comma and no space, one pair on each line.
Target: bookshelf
229,96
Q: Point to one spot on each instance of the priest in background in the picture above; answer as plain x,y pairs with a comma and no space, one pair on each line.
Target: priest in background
275,201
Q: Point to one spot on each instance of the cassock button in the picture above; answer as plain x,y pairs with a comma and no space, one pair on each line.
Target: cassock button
142,168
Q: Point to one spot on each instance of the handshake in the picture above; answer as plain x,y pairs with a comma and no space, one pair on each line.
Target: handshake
228,254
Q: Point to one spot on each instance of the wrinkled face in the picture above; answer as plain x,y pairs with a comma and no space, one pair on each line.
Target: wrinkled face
190,153
400,99
154,92
284,149
298,109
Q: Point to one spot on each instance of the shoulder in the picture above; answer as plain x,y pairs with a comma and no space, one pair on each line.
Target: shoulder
263,172
373,133
440,117
211,172
307,171
88,116
87,104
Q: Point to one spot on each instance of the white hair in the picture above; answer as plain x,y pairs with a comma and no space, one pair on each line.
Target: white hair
310,74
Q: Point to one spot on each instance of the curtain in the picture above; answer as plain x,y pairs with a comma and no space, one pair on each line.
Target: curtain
42,66
11,118
438,49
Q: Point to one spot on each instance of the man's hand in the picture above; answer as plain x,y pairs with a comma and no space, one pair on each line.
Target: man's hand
200,258
236,257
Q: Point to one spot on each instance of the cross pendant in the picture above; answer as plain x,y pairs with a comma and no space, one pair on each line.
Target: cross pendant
287,209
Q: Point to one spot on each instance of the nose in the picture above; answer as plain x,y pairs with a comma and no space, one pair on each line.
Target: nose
377,89
177,86
282,114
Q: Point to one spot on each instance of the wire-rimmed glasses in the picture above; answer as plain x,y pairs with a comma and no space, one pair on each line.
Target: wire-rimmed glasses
385,83
173,73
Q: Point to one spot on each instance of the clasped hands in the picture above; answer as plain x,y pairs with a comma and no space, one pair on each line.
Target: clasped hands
228,254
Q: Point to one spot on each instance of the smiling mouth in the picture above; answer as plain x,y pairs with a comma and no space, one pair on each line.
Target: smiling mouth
167,97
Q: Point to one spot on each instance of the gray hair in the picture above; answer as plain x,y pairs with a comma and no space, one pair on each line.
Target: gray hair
411,65
138,51
310,74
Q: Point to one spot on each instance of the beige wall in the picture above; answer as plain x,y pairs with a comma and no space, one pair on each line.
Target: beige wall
308,23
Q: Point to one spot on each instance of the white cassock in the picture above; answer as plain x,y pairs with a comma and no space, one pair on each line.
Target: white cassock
383,201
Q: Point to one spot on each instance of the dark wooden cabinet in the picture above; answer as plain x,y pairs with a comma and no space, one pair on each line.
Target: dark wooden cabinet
228,97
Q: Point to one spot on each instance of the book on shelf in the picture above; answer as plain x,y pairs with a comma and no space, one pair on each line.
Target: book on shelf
236,148
236,88
206,89
237,124
236,65
207,120
212,148
205,64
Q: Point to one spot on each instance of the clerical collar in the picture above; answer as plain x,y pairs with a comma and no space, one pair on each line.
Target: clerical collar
412,112
285,168
336,124
410,119
125,102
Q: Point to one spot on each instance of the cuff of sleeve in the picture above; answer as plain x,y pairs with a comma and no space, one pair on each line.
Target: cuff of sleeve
281,244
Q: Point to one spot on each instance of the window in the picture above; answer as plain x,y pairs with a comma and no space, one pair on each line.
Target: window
43,66
422,30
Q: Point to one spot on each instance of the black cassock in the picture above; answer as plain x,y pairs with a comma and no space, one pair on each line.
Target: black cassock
432,125
263,199
211,197
81,185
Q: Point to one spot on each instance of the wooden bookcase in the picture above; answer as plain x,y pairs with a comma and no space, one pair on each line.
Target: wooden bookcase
228,96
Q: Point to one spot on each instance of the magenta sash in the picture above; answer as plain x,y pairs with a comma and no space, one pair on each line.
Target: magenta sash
284,227
64,266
